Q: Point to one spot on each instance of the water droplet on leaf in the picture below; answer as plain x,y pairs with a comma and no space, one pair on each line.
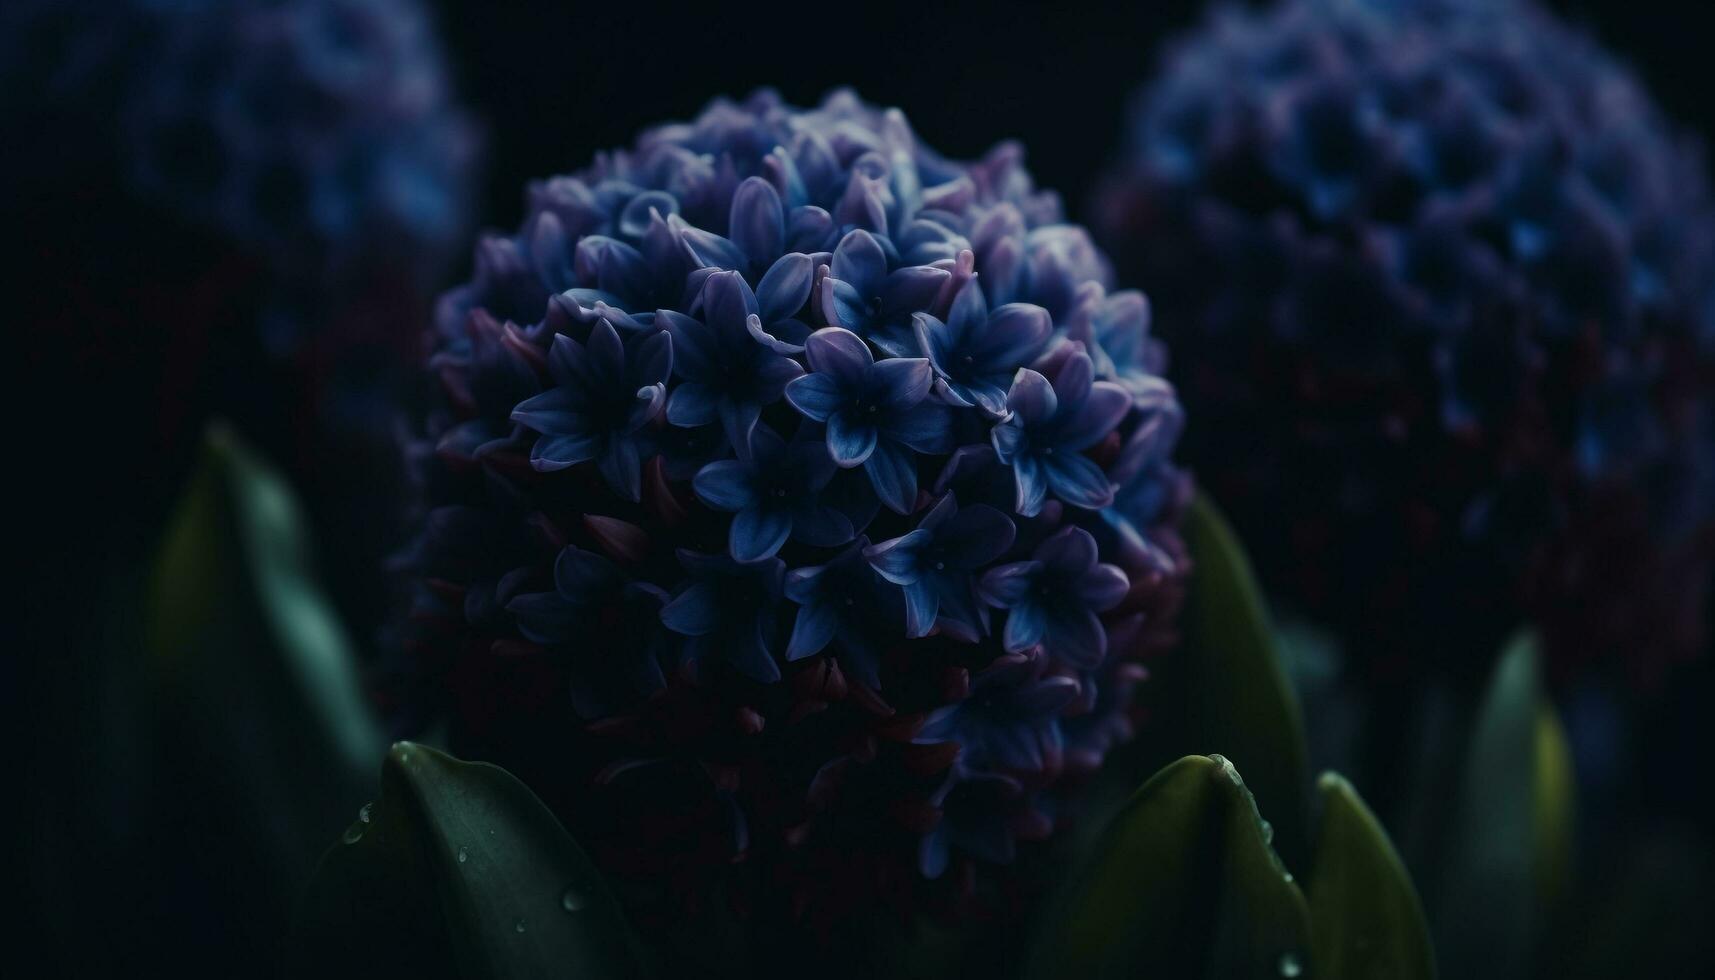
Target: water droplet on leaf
463,856
518,926
364,813
1291,965
571,901
353,834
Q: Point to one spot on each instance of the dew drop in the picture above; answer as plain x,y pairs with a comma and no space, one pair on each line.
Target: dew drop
1287,875
571,901
1290,965
519,927
353,834
364,813
463,857
1267,832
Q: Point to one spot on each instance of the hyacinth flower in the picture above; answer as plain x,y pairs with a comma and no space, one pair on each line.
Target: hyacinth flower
603,394
936,563
1008,721
1435,275
775,494
1051,423
729,376
878,413
984,814
861,295
975,353
1052,600
727,612
591,588
845,602
813,281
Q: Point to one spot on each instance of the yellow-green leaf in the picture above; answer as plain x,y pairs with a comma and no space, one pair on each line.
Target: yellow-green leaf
1366,920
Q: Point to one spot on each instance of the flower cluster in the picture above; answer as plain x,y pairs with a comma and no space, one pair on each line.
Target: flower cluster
800,497
319,133
1444,286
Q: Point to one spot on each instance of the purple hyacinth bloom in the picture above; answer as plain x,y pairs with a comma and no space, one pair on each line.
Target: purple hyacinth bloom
728,611
590,590
981,815
844,602
604,393
1052,423
975,352
1010,721
878,413
729,376
1437,277
936,564
1053,599
861,295
822,277
775,494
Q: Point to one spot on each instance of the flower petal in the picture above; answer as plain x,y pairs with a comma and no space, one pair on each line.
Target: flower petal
850,441
1025,625
860,262
922,606
757,224
892,470
621,467
1031,485
976,535
1003,586
812,631
694,612
1067,553
558,451
757,533
1078,481
839,352
816,396
725,485
1032,397
896,558
785,288
1075,636
900,382
1102,587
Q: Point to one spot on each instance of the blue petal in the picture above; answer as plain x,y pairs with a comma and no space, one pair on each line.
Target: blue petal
813,630
737,421
977,535
620,467
802,584
749,653
556,452
1103,409
554,410
651,360
822,526
901,382
840,353
817,396
1068,553
727,303
860,262
922,606
582,573
691,404
709,249
1014,335
1032,397
896,558
1075,635
925,428
1031,484
1003,586
757,222
1025,625
1102,587
694,350
1079,482
1048,696
725,485
568,365
892,471
1072,382
850,442
932,854
785,289
694,612
758,533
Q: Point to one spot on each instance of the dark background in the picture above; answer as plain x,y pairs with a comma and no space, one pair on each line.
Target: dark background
112,387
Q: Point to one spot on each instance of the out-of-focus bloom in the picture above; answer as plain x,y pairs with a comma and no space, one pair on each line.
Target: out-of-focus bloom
319,133
1439,277
731,361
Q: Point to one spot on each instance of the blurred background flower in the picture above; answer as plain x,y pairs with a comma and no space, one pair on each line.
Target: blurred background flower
796,288
1438,277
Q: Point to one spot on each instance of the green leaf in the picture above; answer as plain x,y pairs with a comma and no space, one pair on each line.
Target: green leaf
257,717
1183,883
1239,702
1366,920
1511,826
458,870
